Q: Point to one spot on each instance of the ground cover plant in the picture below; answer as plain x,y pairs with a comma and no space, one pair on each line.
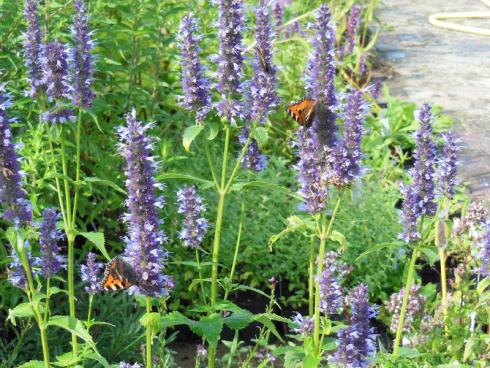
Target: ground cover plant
224,182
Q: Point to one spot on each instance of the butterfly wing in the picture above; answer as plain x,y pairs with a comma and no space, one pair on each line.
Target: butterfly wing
263,62
118,275
302,111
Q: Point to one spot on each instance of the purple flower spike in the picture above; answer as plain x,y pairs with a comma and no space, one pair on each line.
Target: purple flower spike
321,77
55,68
484,253
195,85
448,166
252,160
330,290
263,85
230,58
144,245
313,188
415,307
15,270
352,26
129,365
419,197
305,324
346,157
90,272
194,225
81,58
12,196
278,15
33,48
356,344
51,259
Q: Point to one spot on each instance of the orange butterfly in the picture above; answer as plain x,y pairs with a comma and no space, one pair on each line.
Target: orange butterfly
118,275
302,111
260,55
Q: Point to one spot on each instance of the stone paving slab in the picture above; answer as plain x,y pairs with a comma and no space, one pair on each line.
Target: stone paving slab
447,68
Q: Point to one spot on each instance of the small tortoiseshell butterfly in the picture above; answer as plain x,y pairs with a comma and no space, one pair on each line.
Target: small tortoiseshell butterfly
118,275
302,111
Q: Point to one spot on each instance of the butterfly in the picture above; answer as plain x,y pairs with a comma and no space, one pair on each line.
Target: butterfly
6,172
302,111
260,55
118,275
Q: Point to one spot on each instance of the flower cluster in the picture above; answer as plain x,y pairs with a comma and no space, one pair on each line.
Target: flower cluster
89,272
278,15
195,85
129,365
12,196
419,197
415,306
484,253
81,58
55,78
331,297
346,156
356,344
194,225
305,324
263,93
321,77
33,47
313,187
51,259
253,159
448,166
230,58
144,244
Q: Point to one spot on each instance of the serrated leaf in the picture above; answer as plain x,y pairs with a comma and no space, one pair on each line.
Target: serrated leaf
166,176
209,328
32,364
72,325
98,239
431,254
267,322
151,320
22,310
106,182
190,134
239,320
340,238
213,131
261,136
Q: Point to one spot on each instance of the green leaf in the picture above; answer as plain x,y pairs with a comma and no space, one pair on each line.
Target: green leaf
483,285
209,328
267,322
166,176
99,358
378,247
72,325
238,186
98,239
109,183
409,353
151,320
239,320
310,361
339,237
190,134
431,254
174,319
261,136
32,364
213,131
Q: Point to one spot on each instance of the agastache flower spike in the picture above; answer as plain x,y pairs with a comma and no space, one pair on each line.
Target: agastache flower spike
33,48
352,26
419,196
15,270
12,196
263,85
89,272
356,344
144,245
51,259
313,188
194,225
230,58
415,306
278,15
346,156
195,85
129,365
448,166
321,77
330,290
305,324
252,160
81,58
484,253
55,69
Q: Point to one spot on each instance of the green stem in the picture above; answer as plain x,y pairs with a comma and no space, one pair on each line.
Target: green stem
57,181
77,175
325,233
48,295
149,360
442,260
211,166
21,251
311,278
237,246
403,311
89,315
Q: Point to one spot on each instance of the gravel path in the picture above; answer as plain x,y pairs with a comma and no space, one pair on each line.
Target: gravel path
448,68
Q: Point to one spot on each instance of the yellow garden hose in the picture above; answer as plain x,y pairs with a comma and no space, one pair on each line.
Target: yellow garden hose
438,21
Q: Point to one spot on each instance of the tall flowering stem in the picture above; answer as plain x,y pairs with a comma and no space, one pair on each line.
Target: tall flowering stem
33,47
324,234
144,243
